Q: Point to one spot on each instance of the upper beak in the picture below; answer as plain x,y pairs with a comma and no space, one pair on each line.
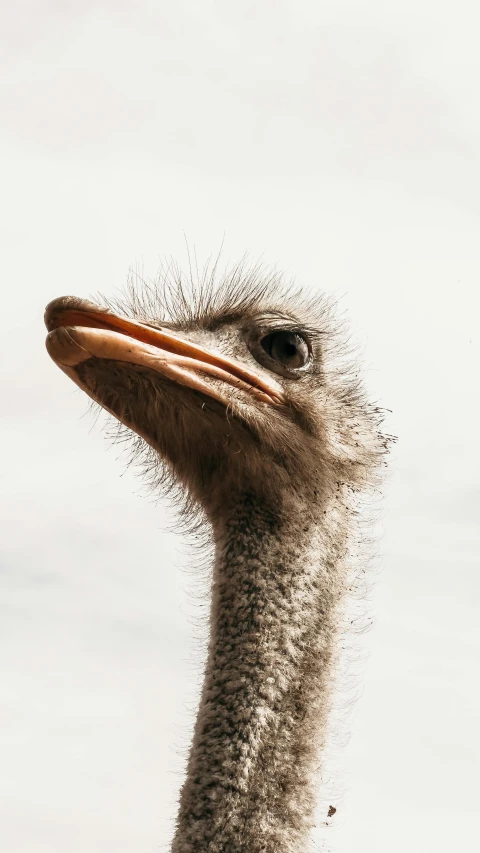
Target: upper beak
80,330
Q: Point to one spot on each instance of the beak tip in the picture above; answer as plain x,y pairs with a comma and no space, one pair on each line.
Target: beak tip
61,304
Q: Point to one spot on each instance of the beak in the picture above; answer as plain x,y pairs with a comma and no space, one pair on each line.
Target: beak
79,330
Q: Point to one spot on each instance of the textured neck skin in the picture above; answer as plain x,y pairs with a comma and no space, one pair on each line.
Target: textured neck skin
253,770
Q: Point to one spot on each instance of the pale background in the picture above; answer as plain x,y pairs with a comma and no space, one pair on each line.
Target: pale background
341,141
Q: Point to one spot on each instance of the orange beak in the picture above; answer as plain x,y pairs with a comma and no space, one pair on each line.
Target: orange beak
79,330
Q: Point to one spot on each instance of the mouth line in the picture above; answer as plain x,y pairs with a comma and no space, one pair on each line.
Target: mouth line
79,330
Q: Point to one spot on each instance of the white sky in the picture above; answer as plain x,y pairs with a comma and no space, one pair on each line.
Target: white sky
341,141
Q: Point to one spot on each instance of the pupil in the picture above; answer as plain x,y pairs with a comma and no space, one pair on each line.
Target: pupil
291,349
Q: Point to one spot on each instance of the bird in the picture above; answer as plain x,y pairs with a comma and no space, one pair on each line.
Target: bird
240,392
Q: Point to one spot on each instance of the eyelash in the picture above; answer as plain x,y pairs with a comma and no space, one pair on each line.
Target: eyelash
269,324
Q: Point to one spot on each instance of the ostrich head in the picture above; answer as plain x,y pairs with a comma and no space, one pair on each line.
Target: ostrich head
239,388
244,396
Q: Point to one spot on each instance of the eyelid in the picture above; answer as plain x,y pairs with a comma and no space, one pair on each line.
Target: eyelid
262,330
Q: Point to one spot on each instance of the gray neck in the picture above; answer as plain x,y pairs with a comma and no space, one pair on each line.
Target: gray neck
252,772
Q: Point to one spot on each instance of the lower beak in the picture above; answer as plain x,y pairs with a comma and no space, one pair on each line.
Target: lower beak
79,330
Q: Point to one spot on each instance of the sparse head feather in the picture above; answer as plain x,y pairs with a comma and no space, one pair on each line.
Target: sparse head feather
330,428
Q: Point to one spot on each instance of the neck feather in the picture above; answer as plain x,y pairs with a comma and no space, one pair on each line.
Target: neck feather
252,774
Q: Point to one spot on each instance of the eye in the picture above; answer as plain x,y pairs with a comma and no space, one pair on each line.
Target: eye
289,351
288,348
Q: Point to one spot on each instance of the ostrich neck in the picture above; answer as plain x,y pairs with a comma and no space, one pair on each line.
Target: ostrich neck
252,772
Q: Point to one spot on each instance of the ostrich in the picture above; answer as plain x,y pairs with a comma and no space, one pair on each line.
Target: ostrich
240,394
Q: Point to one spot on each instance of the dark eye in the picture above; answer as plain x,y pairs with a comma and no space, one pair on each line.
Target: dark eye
287,348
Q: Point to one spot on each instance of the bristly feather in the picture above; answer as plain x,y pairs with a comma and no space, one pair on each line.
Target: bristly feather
213,297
